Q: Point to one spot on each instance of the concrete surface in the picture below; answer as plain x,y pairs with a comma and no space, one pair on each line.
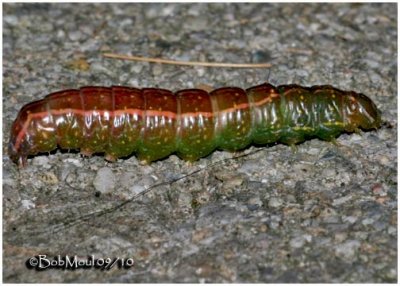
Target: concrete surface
323,214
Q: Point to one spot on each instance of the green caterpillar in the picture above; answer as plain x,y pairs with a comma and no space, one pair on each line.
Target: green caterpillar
153,123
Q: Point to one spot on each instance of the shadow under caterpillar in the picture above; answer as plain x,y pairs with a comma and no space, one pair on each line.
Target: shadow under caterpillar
154,123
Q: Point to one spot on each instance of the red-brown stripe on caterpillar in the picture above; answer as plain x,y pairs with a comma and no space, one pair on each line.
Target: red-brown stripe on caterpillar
154,123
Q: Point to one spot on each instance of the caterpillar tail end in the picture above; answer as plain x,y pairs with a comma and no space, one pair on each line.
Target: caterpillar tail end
16,157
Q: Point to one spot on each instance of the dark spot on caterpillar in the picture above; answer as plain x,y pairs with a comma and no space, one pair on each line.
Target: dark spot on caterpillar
153,123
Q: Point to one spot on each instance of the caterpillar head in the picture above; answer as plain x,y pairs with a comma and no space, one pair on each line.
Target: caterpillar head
361,112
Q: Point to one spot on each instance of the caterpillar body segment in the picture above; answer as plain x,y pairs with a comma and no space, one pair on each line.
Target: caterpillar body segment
154,123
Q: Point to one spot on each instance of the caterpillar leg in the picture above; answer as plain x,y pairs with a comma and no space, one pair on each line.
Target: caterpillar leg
294,148
22,162
238,153
110,158
334,142
189,164
86,152
144,162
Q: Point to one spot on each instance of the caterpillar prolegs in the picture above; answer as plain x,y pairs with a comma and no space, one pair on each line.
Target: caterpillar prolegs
154,123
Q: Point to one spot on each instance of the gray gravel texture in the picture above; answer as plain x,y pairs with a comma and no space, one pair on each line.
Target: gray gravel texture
322,214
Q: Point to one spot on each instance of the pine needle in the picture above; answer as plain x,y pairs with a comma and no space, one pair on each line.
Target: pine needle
184,63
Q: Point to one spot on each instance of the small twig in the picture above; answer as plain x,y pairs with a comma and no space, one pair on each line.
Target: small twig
183,63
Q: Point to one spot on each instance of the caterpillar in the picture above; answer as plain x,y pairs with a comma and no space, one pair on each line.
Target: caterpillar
154,123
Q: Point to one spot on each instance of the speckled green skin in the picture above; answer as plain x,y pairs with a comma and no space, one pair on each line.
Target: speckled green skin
153,123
